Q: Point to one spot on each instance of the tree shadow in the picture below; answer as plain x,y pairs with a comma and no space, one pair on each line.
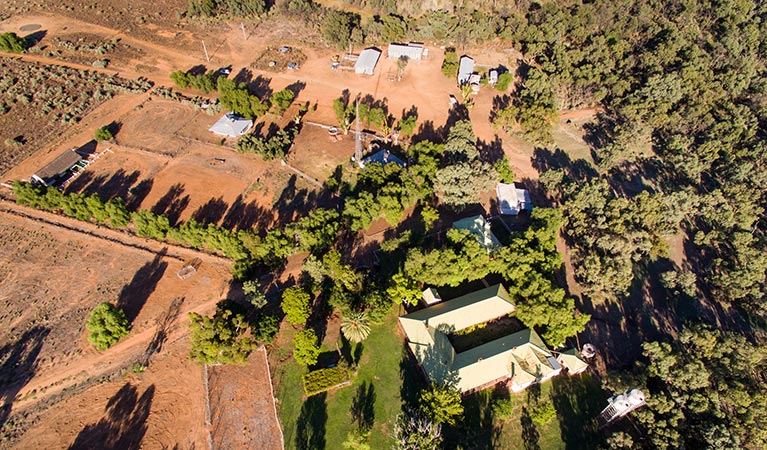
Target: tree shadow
311,423
124,425
413,379
18,362
35,38
477,429
491,152
172,204
578,401
164,326
363,406
243,215
296,87
427,132
580,169
138,193
530,435
211,212
135,294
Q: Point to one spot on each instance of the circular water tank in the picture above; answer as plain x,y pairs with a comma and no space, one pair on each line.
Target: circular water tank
620,403
635,397
588,351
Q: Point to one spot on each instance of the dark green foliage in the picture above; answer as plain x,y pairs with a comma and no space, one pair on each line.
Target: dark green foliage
103,134
220,339
203,82
450,64
295,304
504,80
321,380
239,100
238,8
281,101
442,404
533,109
265,328
150,225
107,324
503,169
274,147
408,124
463,176
306,347
344,114
704,391
338,28
10,42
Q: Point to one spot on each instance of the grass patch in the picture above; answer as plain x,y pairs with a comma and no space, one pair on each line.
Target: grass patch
373,399
577,401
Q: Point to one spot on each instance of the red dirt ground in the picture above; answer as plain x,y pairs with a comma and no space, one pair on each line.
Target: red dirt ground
242,406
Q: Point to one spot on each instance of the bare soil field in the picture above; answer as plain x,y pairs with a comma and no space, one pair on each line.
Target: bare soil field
242,407
153,128
51,278
160,409
38,102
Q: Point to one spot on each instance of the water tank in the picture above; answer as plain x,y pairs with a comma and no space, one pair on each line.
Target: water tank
635,397
620,403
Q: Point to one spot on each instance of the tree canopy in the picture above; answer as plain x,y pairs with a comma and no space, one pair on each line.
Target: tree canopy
107,324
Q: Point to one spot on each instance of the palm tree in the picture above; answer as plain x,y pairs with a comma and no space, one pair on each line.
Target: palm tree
355,327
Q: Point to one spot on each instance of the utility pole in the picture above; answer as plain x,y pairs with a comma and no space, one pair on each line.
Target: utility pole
244,36
205,49
358,142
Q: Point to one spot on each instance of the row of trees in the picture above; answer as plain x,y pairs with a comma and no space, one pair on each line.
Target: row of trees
233,96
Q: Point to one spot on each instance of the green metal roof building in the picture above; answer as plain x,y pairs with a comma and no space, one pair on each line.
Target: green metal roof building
520,359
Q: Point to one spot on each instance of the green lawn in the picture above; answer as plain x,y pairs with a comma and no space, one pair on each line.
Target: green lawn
323,420
377,392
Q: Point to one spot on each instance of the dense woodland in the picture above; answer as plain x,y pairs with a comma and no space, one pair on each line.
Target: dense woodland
678,148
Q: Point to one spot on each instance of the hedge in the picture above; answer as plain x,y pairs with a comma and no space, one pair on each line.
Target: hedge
324,379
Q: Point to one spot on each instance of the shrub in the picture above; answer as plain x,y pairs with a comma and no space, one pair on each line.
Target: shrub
442,404
295,304
12,43
321,380
219,339
107,325
306,348
450,64
265,328
504,80
103,134
503,408
542,413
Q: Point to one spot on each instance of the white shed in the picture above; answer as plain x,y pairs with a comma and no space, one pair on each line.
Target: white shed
411,50
465,69
231,125
512,200
367,61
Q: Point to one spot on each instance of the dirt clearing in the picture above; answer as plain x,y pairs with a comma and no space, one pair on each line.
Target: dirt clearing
242,406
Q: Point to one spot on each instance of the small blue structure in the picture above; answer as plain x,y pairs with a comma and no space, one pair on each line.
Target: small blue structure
382,157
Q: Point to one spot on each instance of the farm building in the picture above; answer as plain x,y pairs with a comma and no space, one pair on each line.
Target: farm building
480,228
521,358
465,69
512,200
411,50
367,61
231,125
59,169
382,157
